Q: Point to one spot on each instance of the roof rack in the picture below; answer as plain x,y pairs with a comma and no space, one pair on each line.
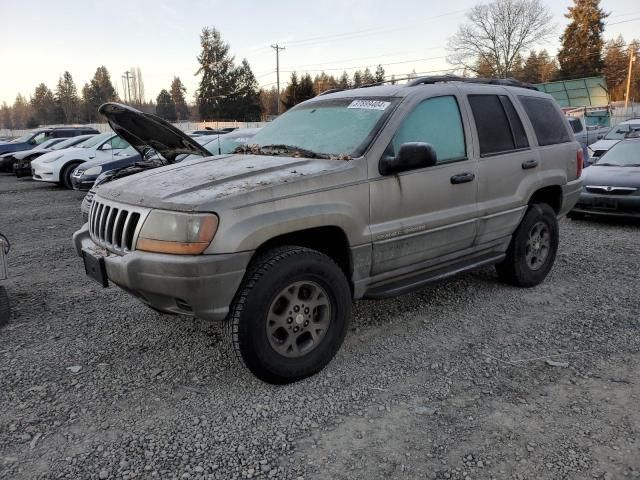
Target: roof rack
506,82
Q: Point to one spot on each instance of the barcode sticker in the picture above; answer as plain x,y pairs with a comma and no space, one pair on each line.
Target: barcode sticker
369,104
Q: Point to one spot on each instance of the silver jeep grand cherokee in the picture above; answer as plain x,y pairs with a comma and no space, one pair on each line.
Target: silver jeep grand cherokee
363,193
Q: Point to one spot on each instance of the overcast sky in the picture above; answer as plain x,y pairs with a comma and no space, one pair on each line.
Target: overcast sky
39,40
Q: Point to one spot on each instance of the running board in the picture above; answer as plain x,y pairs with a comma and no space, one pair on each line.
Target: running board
414,282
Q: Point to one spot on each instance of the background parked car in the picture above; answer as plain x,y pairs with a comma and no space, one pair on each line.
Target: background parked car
84,176
214,144
9,159
57,166
36,137
586,135
613,136
22,164
611,186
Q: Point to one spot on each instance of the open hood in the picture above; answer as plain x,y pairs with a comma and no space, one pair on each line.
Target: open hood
143,130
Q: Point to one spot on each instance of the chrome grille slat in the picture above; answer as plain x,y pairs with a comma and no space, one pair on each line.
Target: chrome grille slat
115,226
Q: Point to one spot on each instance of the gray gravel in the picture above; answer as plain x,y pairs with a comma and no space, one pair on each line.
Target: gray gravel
465,379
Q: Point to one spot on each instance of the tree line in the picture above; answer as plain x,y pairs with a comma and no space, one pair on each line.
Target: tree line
497,36
497,40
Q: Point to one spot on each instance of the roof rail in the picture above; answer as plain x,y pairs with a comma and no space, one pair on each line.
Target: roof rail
507,82
331,90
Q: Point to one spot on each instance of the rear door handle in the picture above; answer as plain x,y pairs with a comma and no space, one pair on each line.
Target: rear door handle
462,178
531,163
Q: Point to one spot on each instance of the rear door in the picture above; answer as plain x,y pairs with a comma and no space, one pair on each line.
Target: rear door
420,216
508,166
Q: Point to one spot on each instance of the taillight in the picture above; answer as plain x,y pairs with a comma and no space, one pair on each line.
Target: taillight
579,161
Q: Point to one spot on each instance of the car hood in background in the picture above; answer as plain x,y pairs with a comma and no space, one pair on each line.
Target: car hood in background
603,144
143,130
611,176
196,185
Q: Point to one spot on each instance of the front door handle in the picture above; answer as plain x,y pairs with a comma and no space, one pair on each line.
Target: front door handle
462,178
531,163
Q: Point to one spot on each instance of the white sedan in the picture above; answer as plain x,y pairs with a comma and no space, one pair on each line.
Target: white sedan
57,166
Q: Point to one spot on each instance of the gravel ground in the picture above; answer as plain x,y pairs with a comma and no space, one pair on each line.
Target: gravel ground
468,379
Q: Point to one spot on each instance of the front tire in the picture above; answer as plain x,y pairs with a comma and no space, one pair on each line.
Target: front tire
65,174
533,248
290,315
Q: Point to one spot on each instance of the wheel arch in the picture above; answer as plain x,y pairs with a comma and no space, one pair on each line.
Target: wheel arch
551,195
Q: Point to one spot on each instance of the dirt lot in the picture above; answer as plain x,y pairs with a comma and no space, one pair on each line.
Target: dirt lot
468,379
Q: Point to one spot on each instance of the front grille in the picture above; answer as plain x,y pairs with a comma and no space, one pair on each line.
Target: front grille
608,190
115,226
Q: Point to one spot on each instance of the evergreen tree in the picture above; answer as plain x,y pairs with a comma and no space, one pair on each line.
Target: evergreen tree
244,104
290,99
67,98
43,105
379,74
367,77
177,95
165,106
548,67
306,91
484,68
97,92
217,70
581,52
357,79
21,112
7,120
344,81
531,70
616,61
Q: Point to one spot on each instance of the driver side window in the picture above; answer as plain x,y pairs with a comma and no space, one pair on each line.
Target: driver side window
436,121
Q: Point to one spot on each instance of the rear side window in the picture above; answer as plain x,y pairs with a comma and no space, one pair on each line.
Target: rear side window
499,127
548,124
576,126
436,121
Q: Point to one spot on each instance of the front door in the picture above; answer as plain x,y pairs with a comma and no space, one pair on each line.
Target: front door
420,216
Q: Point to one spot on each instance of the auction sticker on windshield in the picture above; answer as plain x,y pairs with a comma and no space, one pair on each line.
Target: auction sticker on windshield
369,104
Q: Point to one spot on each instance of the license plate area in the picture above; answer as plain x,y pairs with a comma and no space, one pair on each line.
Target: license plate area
606,203
95,268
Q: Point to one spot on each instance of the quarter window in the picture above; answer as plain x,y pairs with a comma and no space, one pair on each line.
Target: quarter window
436,121
498,124
549,125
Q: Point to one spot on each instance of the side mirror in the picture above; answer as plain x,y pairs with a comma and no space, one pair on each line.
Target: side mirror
31,142
412,156
600,136
106,146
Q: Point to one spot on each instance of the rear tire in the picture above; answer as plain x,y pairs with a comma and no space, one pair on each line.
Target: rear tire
5,308
65,174
533,248
290,315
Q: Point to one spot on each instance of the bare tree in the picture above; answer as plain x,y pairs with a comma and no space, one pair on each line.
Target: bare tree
497,33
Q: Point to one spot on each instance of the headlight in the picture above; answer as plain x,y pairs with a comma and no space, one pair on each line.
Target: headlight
93,171
177,233
52,159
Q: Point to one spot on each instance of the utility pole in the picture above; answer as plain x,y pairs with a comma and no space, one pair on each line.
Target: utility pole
632,58
277,48
128,88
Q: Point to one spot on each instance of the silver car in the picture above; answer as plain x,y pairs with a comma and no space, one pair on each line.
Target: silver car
363,193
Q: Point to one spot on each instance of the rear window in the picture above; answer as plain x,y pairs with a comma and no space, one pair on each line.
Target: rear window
499,127
548,124
576,126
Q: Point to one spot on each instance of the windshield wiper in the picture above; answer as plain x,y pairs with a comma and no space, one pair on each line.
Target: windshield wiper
606,164
293,149
633,165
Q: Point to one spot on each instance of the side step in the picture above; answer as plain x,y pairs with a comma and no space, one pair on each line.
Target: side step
396,287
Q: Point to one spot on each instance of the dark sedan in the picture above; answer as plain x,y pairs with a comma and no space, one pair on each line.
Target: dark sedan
83,177
611,186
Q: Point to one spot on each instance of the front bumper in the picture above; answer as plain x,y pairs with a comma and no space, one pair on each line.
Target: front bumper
83,182
608,205
199,285
570,195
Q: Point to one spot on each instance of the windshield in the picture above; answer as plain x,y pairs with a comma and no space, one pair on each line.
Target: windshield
622,154
98,139
337,127
25,138
619,131
69,142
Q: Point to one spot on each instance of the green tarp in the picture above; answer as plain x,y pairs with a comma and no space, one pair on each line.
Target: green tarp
583,92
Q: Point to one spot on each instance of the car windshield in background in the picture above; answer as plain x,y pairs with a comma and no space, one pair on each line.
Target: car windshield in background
70,142
325,127
22,139
618,132
93,141
622,154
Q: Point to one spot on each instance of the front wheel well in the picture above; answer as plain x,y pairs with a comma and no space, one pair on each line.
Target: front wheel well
330,240
551,195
